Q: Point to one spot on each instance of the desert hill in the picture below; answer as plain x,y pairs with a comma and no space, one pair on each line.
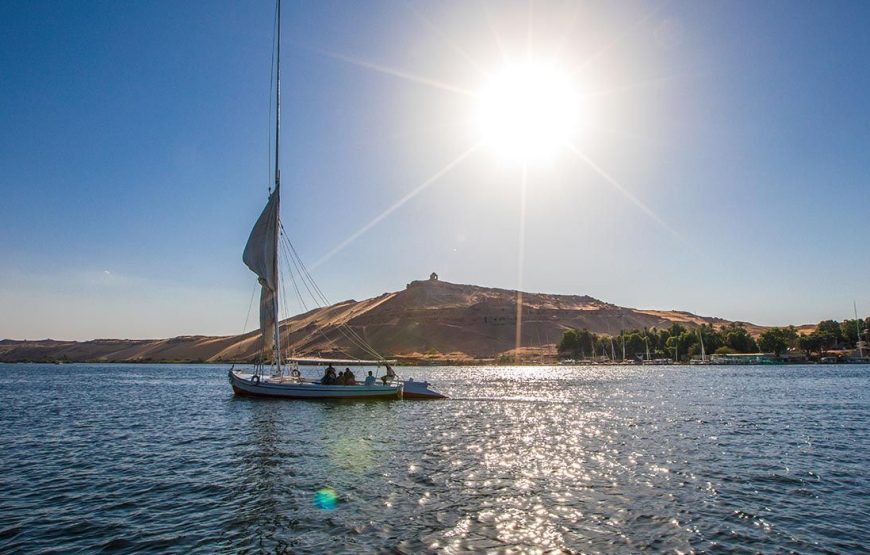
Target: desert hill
428,319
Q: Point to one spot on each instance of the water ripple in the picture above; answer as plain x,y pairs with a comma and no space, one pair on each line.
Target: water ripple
159,458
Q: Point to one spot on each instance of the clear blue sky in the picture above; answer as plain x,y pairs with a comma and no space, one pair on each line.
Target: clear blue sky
134,157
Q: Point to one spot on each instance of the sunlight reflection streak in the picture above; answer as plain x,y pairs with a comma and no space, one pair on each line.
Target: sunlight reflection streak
443,36
354,236
619,134
563,40
637,202
600,52
498,42
640,84
521,253
395,72
458,124
530,19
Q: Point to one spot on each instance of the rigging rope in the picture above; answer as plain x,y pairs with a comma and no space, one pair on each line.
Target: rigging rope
344,328
290,259
361,342
247,318
320,298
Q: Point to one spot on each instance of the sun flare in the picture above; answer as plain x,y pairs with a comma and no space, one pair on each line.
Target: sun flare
527,112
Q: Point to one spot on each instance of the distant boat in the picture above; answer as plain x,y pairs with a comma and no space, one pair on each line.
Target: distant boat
859,344
658,362
703,353
858,357
274,377
653,361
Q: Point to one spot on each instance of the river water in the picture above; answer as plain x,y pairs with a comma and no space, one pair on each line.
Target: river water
163,458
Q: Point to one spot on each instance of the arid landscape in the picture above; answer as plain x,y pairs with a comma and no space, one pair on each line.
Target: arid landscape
429,320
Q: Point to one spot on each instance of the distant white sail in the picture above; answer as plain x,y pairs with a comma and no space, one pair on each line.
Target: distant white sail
260,257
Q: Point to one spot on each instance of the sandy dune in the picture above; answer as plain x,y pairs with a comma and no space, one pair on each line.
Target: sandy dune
427,320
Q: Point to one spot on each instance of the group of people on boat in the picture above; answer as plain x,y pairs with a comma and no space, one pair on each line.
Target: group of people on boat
347,377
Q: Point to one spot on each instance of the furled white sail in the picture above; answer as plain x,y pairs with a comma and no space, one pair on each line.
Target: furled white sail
260,252
260,256
267,316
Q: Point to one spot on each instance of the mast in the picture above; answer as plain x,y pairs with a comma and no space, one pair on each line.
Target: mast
858,329
275,303
261,251
278,104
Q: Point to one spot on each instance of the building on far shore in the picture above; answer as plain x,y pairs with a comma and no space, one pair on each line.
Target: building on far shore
746,358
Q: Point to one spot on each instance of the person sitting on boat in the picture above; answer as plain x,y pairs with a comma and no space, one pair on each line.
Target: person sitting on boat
370,380
329,377
389,375
349,378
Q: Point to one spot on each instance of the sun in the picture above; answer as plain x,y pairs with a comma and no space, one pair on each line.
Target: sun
527,112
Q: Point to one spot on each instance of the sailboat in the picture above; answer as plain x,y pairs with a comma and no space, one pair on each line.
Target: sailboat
859,345
272,376
651,361
703,351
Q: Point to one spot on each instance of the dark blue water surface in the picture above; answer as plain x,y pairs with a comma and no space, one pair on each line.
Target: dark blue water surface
164,458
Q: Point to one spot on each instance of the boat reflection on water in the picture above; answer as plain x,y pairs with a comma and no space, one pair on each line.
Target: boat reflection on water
304,469
263,514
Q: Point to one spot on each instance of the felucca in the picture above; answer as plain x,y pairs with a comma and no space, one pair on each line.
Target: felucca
274,377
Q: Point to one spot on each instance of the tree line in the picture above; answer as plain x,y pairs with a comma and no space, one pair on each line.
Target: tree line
678,341
828,335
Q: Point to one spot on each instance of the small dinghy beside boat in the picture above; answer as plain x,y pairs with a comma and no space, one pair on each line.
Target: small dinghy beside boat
412,389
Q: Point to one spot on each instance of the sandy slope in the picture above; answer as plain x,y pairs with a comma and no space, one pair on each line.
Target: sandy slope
433,318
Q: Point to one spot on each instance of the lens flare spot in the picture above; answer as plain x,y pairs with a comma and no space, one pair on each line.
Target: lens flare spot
326,499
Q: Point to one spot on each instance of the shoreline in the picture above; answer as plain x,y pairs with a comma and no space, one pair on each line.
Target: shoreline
434,364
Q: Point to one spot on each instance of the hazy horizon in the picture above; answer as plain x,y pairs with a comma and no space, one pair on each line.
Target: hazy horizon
718,164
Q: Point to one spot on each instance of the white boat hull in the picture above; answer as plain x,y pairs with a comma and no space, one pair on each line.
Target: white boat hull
288,388
410,389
